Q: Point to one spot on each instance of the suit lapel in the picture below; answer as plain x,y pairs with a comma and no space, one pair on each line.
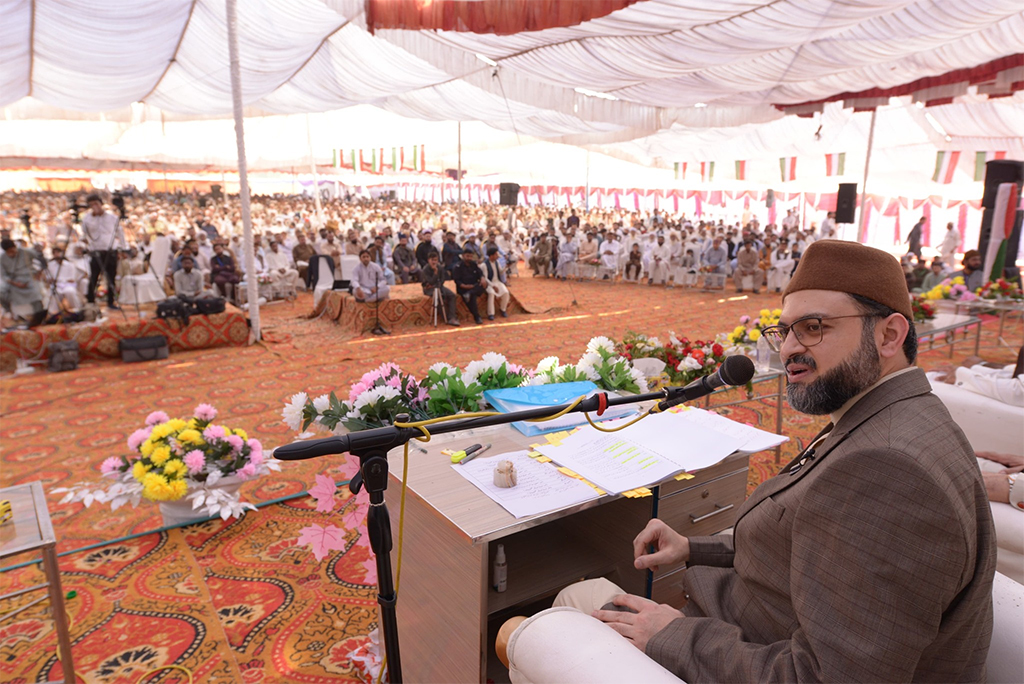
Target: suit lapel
911,384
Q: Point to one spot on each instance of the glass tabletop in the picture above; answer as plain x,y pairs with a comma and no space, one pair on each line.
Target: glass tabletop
30,527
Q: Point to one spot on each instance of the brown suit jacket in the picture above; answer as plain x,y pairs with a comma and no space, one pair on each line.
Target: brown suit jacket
872,563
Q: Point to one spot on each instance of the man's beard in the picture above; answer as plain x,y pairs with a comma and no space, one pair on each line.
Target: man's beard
829,392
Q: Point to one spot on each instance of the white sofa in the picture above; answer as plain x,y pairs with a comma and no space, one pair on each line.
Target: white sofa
569,647
991,425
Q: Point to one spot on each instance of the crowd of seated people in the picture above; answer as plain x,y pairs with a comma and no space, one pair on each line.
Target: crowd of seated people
655,247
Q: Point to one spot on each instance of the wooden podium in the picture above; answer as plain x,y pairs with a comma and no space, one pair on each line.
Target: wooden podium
447,610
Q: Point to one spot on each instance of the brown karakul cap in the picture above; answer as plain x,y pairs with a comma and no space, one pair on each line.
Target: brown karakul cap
971,253
853,268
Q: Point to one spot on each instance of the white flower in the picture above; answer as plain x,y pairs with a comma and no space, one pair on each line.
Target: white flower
654,342
673,340
538,379
442,366
322,403
591,358
639,379
589,371
689,363
371,396
601,342
494,360
546,364
292,412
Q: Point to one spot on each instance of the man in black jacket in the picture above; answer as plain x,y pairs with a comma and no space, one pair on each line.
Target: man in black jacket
470,283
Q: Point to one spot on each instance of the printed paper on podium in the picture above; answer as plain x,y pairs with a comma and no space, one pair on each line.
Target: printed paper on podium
541,487
651,451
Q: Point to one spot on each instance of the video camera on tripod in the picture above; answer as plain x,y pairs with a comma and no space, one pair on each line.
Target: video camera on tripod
117,199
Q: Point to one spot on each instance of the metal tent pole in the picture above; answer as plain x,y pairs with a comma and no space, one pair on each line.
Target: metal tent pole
243,173
460,178
316,178
864,185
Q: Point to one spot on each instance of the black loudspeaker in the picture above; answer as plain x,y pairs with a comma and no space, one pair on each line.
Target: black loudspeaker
509,194
392,195
216,191
846,203
1000,171
769,201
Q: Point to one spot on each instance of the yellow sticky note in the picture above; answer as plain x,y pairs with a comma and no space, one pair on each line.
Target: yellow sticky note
684,476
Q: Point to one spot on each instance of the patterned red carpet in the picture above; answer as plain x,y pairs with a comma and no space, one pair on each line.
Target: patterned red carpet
239,602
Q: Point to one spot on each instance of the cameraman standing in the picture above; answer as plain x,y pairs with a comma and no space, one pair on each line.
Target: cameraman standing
104,237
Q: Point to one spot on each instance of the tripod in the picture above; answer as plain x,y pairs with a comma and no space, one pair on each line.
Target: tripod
378,329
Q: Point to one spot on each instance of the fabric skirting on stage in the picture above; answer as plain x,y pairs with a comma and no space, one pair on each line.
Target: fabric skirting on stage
228,329
407,307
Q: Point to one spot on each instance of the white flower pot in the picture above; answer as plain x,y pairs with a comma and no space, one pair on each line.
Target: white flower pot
180,512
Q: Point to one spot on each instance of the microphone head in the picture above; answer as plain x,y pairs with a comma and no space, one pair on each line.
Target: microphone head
736,370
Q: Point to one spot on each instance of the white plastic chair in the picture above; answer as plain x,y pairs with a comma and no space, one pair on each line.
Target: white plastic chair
324,278
148,287
348,266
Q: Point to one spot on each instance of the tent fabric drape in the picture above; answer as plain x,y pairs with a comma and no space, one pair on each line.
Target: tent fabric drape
500,17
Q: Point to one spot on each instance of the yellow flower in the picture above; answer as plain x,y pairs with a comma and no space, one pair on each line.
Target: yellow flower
139,470
739,330
776,312
190,436
175,468
959,280
155,487
177,424
161,431
192,423
755,335
242,433
147,447
160,455
764,313
178,489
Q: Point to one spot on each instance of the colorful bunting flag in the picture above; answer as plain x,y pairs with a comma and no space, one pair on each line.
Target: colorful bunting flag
787,167
835,164
741,170
945,165
707,172
394,159
680,170
981,158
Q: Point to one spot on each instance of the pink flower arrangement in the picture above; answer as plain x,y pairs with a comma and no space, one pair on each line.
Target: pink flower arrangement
156,417
194,461
247,471
235,441
213,432
136,439
205,412
110,465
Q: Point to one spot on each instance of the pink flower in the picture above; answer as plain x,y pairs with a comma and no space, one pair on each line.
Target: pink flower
395,382
205,412
236,442
194,461
386,369
422,395
157,417
257,458
255,444
744,320
110,465
136,439
213,432
358,389
515,369
247,471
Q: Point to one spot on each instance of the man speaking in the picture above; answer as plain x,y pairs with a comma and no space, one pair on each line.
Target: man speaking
870,557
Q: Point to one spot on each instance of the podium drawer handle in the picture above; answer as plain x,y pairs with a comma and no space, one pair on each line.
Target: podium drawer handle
718,509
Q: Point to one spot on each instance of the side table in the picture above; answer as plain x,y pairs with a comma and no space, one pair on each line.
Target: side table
30,530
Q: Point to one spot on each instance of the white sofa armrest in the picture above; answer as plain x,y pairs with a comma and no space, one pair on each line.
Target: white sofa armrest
1005,663
569,647
989,425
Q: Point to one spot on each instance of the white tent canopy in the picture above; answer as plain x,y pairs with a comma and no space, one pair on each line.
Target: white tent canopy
646,67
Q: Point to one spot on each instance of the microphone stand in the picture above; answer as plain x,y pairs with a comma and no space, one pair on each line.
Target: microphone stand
372,447
378,329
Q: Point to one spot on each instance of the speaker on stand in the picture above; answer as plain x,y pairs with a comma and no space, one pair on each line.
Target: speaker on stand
846,203
1000,171
508,194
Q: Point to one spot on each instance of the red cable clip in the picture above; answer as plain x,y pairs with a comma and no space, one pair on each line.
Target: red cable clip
602,402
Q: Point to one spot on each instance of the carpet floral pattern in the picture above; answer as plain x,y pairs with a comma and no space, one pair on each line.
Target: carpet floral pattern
239,601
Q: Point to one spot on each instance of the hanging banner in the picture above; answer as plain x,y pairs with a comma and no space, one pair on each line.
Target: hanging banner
787,168
945,166
835,164
981,158
741,170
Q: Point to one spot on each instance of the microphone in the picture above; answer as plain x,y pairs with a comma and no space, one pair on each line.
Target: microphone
735,370
377,438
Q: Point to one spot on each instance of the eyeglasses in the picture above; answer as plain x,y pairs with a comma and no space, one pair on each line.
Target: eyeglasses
808,331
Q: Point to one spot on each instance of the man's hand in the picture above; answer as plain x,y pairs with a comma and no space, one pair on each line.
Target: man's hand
669,546
1013,462
648,619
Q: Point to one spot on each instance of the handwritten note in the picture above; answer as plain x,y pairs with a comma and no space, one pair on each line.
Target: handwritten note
541,488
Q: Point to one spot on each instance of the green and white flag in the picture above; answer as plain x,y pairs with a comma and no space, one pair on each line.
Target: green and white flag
981,158
945,166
